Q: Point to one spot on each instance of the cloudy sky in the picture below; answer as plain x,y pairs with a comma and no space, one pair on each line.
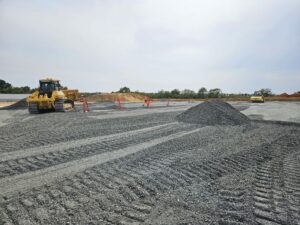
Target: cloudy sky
149,45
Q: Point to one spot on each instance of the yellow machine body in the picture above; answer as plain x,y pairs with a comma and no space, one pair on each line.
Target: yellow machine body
50,96
258,99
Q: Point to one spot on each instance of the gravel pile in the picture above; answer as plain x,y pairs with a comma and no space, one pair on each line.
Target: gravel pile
22,104
213,112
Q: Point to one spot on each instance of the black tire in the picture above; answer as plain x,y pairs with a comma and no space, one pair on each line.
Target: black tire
33,108
59,105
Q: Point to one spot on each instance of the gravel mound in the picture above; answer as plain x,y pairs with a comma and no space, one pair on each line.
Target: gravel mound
22,104
213,112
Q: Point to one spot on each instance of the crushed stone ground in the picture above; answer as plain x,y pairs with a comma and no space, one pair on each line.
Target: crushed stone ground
167,175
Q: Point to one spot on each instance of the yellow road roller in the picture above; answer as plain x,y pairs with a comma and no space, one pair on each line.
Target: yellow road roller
257,99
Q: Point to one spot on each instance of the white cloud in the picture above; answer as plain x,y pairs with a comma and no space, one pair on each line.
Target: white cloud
152,45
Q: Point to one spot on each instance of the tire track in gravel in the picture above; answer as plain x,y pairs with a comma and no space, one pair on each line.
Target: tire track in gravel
291,166
11,185
76,143
15,136
276,191
166,178
232,206
125,191
269,200
269,203
57,154
271,184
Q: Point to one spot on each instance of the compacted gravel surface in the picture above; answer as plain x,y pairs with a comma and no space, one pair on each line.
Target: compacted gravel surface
145,167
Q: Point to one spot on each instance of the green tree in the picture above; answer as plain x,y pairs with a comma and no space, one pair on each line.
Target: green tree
4,85
214,93
187,93
264,92
26,89
175,92
124,90
9,89
202,93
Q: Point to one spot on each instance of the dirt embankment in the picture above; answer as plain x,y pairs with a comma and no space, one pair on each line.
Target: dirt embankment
112,97
4,104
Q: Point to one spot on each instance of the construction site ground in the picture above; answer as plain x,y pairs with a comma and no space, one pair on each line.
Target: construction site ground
141,166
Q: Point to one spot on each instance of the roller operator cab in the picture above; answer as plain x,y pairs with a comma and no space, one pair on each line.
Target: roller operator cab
51,97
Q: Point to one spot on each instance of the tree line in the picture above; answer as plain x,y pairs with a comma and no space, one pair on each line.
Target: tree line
7,88
202,93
